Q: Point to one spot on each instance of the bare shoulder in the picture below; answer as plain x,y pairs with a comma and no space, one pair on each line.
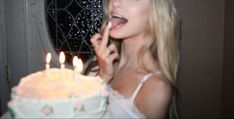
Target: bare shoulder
155,97
159,84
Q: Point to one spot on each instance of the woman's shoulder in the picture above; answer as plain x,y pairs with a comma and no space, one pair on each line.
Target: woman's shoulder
157,87
157,81
156,94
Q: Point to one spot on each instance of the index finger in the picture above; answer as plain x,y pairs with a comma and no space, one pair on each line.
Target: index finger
106,35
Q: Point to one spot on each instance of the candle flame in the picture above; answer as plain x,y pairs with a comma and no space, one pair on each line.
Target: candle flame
48,58
61,57
77,63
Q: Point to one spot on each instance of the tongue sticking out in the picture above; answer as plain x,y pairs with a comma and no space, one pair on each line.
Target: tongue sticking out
117,22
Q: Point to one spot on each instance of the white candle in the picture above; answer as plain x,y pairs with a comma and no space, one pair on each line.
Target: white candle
62,60
75,63
48,58
78,65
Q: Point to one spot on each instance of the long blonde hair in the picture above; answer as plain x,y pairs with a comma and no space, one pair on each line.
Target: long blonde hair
163,27
165,30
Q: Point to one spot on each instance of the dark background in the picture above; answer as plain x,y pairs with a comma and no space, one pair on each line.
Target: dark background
228,62
206,72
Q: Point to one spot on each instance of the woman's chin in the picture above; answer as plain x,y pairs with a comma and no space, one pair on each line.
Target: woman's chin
117,37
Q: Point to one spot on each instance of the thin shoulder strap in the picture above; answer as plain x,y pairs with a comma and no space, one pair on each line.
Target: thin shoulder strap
145,78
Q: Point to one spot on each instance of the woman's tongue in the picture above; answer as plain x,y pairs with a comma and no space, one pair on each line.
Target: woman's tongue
116,22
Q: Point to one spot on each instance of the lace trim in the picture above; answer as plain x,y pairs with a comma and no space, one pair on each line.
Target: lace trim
125,99
116,93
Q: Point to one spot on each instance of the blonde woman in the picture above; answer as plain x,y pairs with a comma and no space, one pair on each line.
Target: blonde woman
141,71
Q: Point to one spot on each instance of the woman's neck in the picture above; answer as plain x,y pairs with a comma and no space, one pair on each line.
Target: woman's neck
130,52
128,55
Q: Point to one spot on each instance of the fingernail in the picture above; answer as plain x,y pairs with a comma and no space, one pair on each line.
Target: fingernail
109,24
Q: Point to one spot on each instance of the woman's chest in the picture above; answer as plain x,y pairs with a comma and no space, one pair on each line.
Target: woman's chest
126,83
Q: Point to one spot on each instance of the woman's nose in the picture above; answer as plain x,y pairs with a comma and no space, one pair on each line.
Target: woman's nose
116,3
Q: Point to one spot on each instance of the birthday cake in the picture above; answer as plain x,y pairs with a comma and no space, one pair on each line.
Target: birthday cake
59,93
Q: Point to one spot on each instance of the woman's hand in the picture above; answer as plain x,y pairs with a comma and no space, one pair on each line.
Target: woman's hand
105,54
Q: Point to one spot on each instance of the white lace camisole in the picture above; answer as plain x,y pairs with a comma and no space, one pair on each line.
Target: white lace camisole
122,107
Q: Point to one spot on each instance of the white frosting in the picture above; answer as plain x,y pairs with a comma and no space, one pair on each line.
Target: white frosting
56,84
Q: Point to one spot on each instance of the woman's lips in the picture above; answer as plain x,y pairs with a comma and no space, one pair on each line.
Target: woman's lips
118,21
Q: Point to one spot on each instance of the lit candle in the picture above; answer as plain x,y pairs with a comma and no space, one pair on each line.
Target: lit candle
78,65
48,58
75,63
62,60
